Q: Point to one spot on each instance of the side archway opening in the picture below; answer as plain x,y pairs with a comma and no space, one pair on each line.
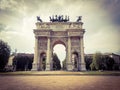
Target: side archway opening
43,61
75,61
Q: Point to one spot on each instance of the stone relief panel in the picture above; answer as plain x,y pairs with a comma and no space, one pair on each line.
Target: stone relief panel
43,43
42,33
43,26
59,25
58,40
75,44
75,41
75,25
59,33
74,33
75,49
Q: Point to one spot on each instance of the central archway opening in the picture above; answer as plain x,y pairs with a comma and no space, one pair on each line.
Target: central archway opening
59,52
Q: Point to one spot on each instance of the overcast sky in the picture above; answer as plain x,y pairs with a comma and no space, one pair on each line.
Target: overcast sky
101,20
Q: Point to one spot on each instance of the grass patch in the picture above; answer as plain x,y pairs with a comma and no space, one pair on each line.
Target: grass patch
116,73
103,72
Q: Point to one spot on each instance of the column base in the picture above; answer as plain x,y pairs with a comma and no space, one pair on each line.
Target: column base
34,67
82,67
69,66
48,68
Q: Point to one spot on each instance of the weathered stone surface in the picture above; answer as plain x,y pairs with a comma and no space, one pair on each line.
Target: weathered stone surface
70,34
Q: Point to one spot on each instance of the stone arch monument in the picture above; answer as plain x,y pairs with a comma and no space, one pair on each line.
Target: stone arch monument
48,34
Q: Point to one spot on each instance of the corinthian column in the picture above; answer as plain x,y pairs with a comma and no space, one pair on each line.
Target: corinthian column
69,63
82,55
35,62
48,60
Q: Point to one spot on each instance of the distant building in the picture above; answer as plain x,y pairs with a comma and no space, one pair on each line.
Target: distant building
10,60
9,65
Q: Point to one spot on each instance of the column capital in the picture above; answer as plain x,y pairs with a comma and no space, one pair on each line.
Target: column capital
36,37
81,36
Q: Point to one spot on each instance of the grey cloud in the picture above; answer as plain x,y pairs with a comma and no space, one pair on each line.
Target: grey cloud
10,10
32,6
11,5
5,28
13,13
2,27
112,7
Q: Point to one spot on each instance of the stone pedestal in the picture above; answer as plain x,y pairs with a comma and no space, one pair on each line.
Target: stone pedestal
82,66
69,66
34,67
48,67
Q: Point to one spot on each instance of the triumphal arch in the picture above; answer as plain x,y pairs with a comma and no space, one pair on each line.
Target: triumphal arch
59,30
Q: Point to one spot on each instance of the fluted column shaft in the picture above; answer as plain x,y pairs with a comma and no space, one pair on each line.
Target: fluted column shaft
82,54
48,60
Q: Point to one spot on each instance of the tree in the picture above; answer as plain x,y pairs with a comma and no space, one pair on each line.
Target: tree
22,62
97,61
56,62
88,61
4,54
109,63
30,61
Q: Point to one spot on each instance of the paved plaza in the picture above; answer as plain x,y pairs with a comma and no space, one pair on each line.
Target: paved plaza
59,82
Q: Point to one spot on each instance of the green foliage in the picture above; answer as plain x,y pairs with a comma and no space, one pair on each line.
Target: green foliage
100,61
109,62
88,61
4,54
92,66
56,62
97,61
22,62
